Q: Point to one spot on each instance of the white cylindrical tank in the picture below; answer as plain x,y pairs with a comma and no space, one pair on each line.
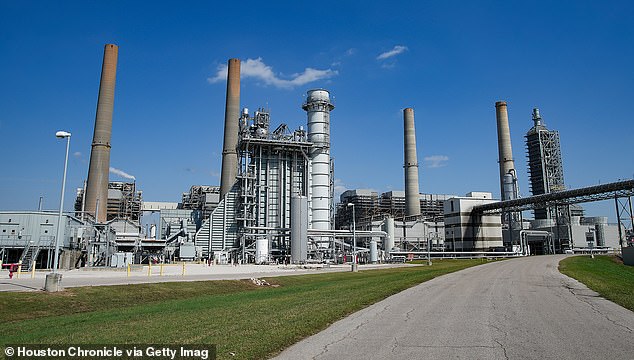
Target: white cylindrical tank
374,252
261,251
299,229
388,243
153,231
318,107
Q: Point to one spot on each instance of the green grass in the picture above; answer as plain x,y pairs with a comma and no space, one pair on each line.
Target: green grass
252,322
605,275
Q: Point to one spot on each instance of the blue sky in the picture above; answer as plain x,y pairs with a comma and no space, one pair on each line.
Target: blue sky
448,60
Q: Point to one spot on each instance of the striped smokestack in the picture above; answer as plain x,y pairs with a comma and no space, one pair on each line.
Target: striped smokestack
412,196
505,151
232,115
97,184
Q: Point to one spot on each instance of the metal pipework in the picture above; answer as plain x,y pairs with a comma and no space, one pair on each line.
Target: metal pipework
97,183
505,152
232,120
537,119
318,107
412,196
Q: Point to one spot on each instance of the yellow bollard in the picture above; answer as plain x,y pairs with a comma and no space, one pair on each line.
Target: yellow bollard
19,271
149,268
33,271
183,269
128,270
161,267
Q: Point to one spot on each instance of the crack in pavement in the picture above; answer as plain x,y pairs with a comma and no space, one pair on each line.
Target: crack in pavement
408,314
503,349
349,333
582,298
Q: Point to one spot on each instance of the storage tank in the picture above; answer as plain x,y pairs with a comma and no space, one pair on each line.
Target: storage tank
261,250
299,229
388,243
374,252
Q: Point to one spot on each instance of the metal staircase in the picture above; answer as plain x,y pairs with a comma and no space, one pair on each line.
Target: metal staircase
29,255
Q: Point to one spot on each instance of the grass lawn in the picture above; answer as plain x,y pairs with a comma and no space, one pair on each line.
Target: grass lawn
251,322
605,275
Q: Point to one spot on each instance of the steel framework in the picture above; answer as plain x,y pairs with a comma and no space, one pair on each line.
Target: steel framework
619,189
544,162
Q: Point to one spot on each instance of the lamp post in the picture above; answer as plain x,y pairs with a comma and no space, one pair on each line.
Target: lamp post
61,135
354,239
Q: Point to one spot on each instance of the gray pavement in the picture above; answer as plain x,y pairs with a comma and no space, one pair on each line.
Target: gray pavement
513,309
170,273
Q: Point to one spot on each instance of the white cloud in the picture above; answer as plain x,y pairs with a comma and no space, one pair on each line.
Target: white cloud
256,68
121,173
340,187
436,161
77,154
398,49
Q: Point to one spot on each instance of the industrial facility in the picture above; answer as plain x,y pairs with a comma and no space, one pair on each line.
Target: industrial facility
275,202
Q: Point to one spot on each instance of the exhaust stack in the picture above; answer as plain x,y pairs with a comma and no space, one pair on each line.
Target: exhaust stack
505,152
232,117
412,196
318,107
97,183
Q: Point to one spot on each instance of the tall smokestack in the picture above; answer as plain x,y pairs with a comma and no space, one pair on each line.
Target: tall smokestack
97,184
232,116
412,196
505,152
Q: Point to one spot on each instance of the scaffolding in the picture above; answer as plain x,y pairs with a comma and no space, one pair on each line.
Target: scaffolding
544,163
370,206
201,197
272,167
124,201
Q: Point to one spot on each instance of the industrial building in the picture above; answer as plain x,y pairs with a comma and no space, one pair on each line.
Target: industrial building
275,202
545,167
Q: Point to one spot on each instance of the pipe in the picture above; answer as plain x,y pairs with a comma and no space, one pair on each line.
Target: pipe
232,120
97,183
412,193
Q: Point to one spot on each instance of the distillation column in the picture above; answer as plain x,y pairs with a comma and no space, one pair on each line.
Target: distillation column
97,183
318,107
505,153
412,196
232,118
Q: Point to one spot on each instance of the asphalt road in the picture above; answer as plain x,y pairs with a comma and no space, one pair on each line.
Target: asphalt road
513,309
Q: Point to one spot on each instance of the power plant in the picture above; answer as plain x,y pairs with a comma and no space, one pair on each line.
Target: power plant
275,202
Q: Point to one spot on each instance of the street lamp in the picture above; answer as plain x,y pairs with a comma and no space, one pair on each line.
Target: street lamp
61,135
354,238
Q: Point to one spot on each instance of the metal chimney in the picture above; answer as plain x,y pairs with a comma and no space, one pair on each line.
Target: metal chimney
97,184
412,196
232,118
505,152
